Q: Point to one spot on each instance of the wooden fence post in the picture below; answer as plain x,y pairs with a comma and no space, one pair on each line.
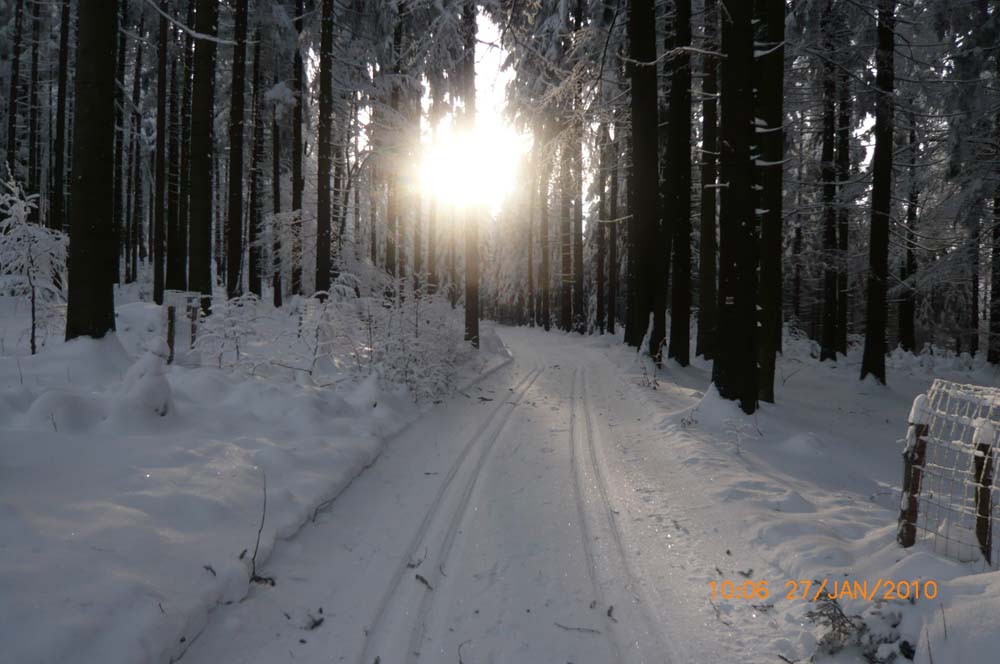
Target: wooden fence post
193,315
171,328
984,480
913,470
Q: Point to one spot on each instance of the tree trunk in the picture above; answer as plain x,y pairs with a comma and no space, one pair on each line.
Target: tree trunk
679,187
15,83
708,247
543,233
237,117
843,209
276,285
907,304
772,151
183,210
175,256
613,234
202,146
734,372
160,195
602,148
828,175
136,247
993,353
873,360
34,105
566,238
298,182
256,178
323,148
643,187
91,303
471,222
57,214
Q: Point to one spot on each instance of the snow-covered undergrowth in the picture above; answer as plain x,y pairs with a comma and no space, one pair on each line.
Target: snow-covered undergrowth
132,491
809,489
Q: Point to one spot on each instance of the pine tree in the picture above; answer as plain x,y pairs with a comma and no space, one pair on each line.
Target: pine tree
734,371
160,197
323,148
202,146
90,307
873,359
707,245
237,118
678,202
471,223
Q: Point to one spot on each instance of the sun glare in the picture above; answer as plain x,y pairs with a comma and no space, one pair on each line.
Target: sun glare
472,169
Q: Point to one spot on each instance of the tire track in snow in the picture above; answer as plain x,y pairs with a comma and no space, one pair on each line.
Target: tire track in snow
637,632
379,636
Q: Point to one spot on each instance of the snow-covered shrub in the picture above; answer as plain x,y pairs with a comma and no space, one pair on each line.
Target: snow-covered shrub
226,332
32,257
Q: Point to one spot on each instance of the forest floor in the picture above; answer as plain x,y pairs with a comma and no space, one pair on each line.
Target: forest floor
567,503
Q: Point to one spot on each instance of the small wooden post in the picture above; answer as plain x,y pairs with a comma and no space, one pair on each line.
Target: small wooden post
984,481
913,470
171,329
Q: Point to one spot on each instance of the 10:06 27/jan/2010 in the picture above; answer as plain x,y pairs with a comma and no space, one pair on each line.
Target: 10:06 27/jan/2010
813,590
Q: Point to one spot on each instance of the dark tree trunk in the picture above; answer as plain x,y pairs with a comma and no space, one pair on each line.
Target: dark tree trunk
772,151
679,187
907,304
122,138
471,222
323,148
708,248
256,177
565,238
993,347
91,304
15,84
873,360
843,209
175,256
298,182
135,245
202,114
734,371
34,112
57,214
613,235
602,148
544,276
828,174
160,195
643,188
183,210
237,118
276,285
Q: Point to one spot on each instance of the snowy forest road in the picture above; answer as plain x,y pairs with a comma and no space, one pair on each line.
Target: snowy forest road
500,527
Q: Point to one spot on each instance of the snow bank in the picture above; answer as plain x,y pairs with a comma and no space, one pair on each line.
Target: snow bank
131,491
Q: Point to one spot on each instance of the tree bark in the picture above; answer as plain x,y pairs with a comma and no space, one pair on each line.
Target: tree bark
298,182
734,371
828,175
15,83
873,359
471,222
160,194
57,214
91,307
907,304
643,188
772,151
708,246
679,187
843,210
323,148
276,284
34,113
256,178
543,233
202,146
237,118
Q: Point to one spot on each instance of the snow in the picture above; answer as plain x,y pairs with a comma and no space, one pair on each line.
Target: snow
132,490
571,504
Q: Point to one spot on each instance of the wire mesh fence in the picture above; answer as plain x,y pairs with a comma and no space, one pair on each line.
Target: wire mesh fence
949,497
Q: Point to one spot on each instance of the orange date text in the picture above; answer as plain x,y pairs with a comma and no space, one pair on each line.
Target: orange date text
814,590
